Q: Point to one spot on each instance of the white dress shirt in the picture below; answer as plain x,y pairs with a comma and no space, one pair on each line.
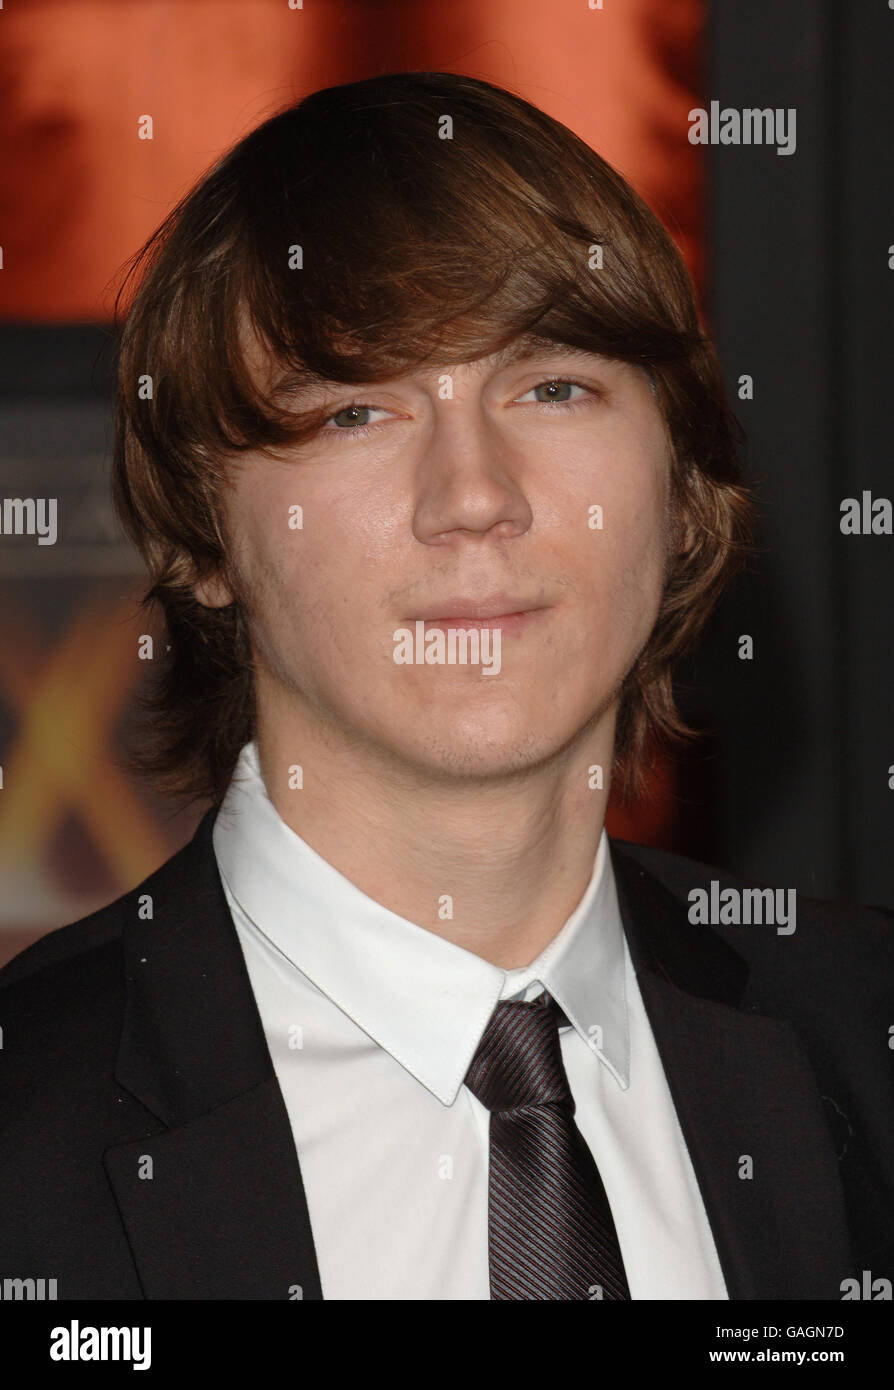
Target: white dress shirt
372,1023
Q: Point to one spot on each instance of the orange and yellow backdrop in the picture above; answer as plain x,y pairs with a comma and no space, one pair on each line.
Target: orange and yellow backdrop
81,191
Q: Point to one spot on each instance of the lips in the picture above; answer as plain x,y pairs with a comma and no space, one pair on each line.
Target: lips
458,609
511,615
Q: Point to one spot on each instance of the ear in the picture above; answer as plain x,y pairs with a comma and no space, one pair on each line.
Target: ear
685,531
686,536
212,592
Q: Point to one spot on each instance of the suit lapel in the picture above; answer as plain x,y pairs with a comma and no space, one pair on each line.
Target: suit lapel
743,1090
214,1204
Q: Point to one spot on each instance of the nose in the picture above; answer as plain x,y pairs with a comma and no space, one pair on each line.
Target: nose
469,479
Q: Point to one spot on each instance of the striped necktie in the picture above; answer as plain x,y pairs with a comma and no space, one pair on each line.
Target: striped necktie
550,1228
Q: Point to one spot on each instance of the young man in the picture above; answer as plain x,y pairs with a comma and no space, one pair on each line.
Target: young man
435,478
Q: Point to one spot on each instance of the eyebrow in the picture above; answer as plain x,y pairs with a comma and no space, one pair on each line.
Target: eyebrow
530,345
535,345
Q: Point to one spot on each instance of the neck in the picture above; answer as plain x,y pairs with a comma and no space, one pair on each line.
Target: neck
497,866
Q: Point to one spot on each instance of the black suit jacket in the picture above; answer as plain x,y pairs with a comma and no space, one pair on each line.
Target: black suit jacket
130,1040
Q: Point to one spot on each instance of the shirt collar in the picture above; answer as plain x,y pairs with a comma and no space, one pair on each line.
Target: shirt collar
425,1000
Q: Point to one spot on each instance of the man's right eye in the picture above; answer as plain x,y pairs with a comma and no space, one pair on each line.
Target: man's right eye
354,416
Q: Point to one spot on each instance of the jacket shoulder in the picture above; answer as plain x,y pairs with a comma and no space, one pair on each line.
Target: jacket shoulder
69,945
66,944
680,874
834,947
63,999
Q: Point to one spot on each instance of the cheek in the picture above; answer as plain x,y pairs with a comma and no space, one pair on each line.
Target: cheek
624,562
636,528
309,591
267,555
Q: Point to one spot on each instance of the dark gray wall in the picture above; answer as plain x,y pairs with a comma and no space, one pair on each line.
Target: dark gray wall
801,299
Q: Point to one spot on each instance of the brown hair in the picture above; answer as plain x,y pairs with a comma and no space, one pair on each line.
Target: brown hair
413,248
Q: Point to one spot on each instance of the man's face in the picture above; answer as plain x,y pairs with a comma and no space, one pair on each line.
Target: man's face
448,498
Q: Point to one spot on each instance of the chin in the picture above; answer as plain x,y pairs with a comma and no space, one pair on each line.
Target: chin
466,760
453,742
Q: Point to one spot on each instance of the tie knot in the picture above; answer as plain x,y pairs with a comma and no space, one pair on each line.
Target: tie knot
519,1059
